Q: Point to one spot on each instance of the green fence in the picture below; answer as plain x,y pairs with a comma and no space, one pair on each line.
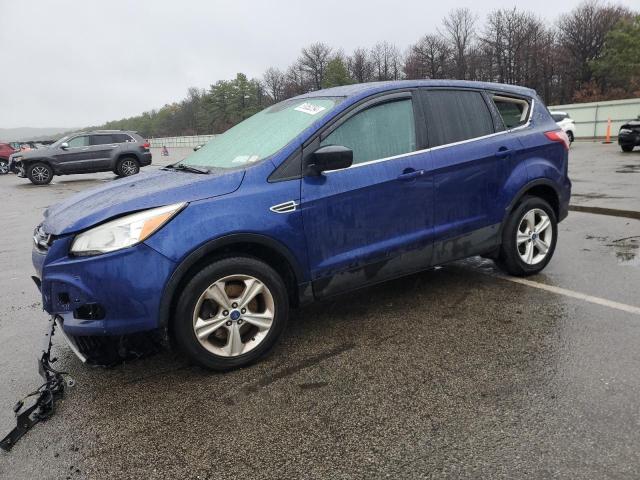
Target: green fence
591,118
189,141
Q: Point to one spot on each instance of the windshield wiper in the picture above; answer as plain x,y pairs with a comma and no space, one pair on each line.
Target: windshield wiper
186,168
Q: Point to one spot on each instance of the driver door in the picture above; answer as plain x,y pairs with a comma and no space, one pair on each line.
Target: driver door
74,158
373,220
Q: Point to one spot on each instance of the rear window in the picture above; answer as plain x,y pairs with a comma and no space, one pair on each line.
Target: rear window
455,115
514,111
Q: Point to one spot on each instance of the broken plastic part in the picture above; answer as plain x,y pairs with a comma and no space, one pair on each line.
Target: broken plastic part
47,394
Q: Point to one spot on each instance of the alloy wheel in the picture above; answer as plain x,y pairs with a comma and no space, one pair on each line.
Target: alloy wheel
129,167
233,315
4,167
40,174
534,236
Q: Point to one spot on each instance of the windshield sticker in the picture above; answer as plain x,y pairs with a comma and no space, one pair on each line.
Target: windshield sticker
309,108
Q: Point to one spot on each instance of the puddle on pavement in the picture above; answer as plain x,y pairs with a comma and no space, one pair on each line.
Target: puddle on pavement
630,168
625,249
595,196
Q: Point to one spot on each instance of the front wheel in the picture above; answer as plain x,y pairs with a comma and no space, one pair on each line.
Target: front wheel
39,173
626,148
4,166
231,313
127,166
529,238
570,136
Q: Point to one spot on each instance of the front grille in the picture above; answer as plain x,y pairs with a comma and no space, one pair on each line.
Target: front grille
41,239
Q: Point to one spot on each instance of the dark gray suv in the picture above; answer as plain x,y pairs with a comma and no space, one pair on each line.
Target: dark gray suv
118,151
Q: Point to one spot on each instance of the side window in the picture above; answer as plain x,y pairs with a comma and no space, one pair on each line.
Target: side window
514,111
378,132
81,141
455,115
101,139
121,138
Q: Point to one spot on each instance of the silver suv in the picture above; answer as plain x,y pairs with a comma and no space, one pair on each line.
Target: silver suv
122,152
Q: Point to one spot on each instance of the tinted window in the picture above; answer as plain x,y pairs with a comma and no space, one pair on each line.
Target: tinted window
81,141
121,138
378,132
455,115
101,139
513,111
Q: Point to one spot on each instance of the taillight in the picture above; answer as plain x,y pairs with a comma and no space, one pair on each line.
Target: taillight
146,145
558,136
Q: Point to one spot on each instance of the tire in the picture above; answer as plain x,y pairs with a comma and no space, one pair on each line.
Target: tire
4,166
570,135
515,258
40,173
626,148
224,315
127,166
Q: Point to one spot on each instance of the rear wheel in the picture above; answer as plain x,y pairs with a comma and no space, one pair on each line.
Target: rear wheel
528,238
626,148
39,173
4,166
127,166
231,313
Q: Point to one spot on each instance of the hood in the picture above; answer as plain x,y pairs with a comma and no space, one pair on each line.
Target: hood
26,154
631,124
139,192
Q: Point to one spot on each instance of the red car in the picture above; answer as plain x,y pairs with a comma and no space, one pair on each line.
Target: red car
5,151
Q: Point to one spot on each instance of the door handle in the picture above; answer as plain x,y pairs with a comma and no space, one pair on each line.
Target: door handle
410,175
503,152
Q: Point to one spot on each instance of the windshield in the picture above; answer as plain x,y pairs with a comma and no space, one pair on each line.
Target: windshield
263,134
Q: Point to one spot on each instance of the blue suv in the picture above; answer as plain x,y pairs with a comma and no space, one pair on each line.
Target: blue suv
312,197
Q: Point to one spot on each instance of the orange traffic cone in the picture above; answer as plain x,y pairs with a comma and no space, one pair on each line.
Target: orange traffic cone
608,137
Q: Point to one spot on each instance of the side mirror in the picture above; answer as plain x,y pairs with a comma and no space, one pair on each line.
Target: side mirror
64,145
331,157
197,147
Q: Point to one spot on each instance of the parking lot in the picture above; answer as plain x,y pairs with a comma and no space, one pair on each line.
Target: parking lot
456,372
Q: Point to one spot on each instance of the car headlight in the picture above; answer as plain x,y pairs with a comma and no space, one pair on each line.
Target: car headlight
625,130
123,232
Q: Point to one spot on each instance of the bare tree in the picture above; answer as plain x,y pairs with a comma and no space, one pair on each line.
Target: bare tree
459,31
582,35
360,66
274,82
295,82
428,58
387,61
314,62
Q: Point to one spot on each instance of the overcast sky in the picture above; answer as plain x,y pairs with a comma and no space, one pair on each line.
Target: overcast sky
76,63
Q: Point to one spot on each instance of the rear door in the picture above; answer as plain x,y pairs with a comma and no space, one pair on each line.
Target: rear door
102,147
371,221
468,169
75,157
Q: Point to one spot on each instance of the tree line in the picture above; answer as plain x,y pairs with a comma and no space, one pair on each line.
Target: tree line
591,53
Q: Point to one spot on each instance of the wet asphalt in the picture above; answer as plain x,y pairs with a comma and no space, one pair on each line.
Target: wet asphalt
456,372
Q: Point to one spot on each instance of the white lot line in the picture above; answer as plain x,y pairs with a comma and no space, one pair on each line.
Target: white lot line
573,294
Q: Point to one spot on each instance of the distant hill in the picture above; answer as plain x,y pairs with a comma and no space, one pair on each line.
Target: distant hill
31,133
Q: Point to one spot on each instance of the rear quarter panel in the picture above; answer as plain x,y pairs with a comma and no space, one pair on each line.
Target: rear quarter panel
541,158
